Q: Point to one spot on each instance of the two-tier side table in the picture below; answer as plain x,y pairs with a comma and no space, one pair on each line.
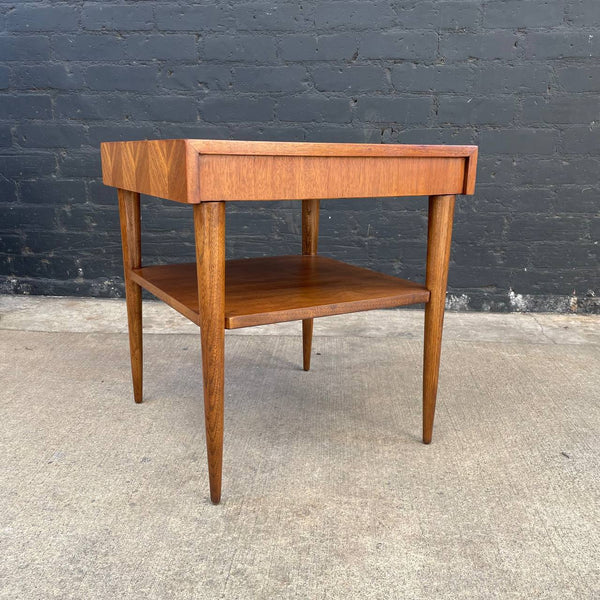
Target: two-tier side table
217,294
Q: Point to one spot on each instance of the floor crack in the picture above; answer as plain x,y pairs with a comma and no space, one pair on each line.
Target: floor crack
542,329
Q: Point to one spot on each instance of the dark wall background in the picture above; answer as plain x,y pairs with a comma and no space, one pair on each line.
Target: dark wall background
520,78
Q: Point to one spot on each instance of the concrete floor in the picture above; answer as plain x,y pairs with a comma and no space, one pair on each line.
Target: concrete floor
327,490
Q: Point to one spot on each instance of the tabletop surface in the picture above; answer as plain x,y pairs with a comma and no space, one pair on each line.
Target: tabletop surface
239,147
197,170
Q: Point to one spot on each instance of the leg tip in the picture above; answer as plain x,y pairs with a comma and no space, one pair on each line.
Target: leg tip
215,490
138,395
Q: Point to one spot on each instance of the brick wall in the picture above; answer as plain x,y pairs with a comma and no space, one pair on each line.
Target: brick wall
519,78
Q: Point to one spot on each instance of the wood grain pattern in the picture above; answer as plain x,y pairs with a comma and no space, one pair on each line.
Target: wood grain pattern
249,148
163,168
439,237
304,177
129,213
209,226
310,241
471,172
215,170
283,288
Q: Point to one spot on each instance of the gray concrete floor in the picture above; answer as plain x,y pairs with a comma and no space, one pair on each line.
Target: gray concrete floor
328,492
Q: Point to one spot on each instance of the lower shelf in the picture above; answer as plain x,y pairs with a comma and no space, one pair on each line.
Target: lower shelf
282,288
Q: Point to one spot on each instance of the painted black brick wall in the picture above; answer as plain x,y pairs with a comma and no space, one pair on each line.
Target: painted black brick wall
520,78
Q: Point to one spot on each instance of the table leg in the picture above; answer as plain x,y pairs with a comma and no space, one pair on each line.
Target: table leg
129,213
310,240
209,225
439,236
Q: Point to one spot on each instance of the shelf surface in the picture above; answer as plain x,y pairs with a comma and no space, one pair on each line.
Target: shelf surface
282,288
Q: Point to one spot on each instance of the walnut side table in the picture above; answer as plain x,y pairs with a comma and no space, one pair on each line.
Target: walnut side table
217,294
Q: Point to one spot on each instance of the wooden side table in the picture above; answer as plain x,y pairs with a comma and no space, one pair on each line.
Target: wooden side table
217,294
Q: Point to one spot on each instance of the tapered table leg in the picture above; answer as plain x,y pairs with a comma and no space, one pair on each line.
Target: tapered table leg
129,213
310,240
209,225
439,236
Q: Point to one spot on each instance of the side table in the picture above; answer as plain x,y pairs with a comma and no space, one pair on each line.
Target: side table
217,294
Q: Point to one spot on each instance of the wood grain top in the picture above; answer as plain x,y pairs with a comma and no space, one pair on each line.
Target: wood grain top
238,147
282,288
193,171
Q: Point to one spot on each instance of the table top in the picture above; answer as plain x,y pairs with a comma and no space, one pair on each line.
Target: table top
196,170
242,147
